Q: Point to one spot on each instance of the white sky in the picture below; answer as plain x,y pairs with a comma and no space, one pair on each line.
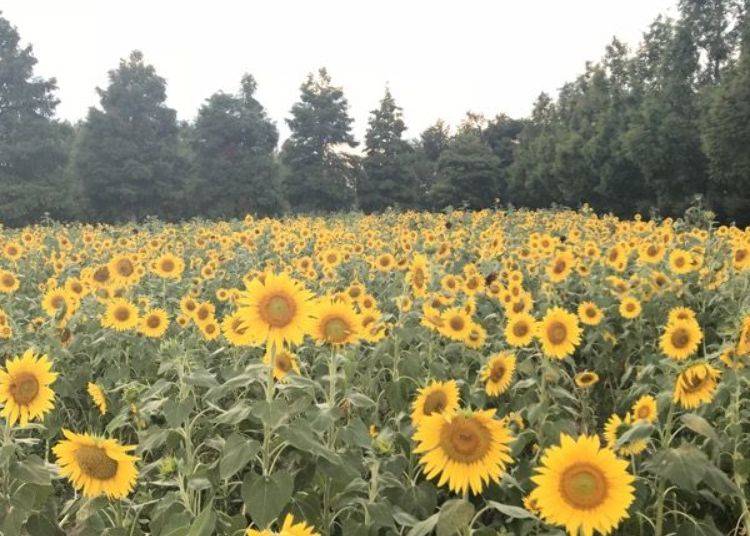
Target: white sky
440,58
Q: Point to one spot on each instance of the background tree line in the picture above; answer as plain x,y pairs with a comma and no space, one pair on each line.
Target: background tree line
637,131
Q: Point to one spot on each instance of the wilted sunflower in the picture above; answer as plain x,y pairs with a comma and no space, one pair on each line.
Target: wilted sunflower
24,388
559,333
154,323
644,409
96,465
276,309
284,362
583,487
681,339
696,385
97,396
120,315
336,323
614,430
289,528
519,329
498,373
438,397
586,379
466,450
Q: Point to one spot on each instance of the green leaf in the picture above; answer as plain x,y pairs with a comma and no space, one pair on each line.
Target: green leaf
265,498
684,466
204,524
235,415
301,437
33,471
423,528
700,426
455,515
237,452
640,430
511,511
717,479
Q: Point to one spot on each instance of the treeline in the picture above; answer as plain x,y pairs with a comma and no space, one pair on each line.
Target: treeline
637,131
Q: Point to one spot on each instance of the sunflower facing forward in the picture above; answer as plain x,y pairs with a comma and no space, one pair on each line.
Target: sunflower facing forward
559,333
466,450
96,465
681,339
498,373
24,388
276,309
583,487
438,397
336,323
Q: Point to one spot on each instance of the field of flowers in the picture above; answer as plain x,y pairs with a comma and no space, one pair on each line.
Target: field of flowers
488,373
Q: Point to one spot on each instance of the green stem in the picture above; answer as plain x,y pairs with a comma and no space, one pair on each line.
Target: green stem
662,483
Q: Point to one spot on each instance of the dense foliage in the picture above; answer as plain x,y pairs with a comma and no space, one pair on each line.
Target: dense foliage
642,130
472,373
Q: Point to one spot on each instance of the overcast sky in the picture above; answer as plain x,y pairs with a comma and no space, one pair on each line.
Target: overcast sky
440,58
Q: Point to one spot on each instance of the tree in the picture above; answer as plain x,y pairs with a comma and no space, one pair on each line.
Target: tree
128,156
467,173
33,146
233,143
726,138
502,135
388,178
319,176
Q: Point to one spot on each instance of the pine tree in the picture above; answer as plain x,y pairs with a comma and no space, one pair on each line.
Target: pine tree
319,176
33,146
233,142
388,178
128,155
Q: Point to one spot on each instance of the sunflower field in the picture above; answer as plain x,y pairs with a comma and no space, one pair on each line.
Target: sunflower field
470,373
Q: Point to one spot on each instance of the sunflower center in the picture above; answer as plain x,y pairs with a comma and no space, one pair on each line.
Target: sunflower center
680,338
418,278
58,302
8,280
583,486
498,372
336,329
591,312
122,314
557,333
465,440
559,267
278,310
679,262
435,403
167,265
95,463
153,322
740,255
518,306
643,412
695,382
456,323
283,362
520,329
24,387
586,377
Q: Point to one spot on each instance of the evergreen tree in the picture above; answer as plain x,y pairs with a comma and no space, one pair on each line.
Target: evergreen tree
319,176
33,147
726,138
233,143
128,156
467,173
388,178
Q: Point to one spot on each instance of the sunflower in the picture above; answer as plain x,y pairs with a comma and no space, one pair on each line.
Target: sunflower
276,309
59,303
24,388
466,450
560,267
559,333
289,528
188,306
284,362
586,379
8,282
96,465
519,329
613,431
418,275
583,487
236,332
336,323
210,329
681,262
456,324
120,315
154,323
169,266
97,396
589,313
680,313
124,270
681,339
630,307
438,397
498,373
476,337
696,385
644,409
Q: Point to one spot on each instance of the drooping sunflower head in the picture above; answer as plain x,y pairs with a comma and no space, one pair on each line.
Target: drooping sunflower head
336,323
681,339
466,450
519,329
283,360
276,309
97,396
559,333
24,388
586,379
97,466
644,409
498,373
436,398
236,331
583,487
696,385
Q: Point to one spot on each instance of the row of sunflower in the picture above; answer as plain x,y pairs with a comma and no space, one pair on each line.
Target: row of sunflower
465,373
